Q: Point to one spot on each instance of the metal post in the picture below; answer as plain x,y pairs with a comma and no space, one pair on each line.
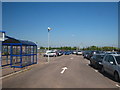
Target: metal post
0,53
1,64
48,45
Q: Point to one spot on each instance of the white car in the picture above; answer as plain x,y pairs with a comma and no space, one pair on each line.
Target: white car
79,53
50,53
111,65
74,52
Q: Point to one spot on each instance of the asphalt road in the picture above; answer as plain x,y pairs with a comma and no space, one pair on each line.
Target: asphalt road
51,75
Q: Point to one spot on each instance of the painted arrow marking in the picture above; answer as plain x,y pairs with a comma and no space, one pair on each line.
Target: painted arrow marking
63,70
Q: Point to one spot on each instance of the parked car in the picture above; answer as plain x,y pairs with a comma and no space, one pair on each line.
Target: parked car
96,60
50,53
85,54
79,53
67,53
91,53
74,52
111,65
116,52
59,53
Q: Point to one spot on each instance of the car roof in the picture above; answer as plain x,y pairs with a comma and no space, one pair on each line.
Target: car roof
114,54
100,54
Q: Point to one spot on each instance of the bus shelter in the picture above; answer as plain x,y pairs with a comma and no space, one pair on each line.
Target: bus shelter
18,53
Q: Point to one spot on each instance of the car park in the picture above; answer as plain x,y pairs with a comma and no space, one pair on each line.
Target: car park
96,60
111,65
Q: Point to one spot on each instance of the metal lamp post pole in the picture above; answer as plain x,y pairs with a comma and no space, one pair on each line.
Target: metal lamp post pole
2,37
48,46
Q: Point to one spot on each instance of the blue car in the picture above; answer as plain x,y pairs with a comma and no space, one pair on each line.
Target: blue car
67,53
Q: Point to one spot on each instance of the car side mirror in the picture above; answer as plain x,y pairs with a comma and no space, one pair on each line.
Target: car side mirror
111,63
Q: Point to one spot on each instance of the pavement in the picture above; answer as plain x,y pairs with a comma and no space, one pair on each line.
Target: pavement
67,71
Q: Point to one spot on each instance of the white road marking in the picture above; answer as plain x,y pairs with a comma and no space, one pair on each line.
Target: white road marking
63,70
71,58
117,85
96,70
13,73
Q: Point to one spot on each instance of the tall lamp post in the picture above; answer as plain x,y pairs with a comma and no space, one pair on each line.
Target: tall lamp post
48,41
2,37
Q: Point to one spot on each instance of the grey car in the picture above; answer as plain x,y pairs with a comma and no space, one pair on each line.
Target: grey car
111,65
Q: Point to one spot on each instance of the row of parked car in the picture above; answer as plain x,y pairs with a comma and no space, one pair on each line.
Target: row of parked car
105,61
55,53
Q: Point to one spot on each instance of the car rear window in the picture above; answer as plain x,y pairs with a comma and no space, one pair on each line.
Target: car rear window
117,59
100,56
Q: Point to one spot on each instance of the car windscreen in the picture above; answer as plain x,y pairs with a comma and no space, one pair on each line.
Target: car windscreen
117,59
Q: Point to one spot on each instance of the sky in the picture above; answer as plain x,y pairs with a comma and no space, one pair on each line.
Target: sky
79,24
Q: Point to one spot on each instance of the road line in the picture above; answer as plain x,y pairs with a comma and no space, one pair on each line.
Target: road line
96,70
13,73
71,58
117,85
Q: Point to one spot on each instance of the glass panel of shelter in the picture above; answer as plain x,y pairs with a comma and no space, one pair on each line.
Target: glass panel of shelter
5,55
12,55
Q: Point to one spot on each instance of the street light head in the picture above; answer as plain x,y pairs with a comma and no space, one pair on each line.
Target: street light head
2,35
49,28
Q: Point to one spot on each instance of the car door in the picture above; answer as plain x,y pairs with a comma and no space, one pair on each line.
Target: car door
111,67
106,63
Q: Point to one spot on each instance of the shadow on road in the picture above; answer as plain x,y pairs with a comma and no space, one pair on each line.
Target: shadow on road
105,74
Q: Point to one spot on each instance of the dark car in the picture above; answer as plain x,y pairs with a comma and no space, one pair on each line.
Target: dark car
91,53
96,60
59,53
85,54
67,53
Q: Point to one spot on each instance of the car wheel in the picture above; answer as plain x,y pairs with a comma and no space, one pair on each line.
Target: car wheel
95,66
102,70
116,76
90,63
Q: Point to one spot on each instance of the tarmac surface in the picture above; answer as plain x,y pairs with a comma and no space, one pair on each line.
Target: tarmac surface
67,71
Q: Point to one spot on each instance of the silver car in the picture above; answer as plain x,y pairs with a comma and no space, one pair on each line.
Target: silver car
111,65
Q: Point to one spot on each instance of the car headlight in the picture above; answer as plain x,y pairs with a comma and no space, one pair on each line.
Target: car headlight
99,62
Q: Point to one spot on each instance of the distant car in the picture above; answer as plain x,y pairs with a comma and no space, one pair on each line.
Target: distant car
91,53
59,53
67,53
115,52
50,53
74,52
96,60
118,52
85,54
112,52
111,65
79,53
